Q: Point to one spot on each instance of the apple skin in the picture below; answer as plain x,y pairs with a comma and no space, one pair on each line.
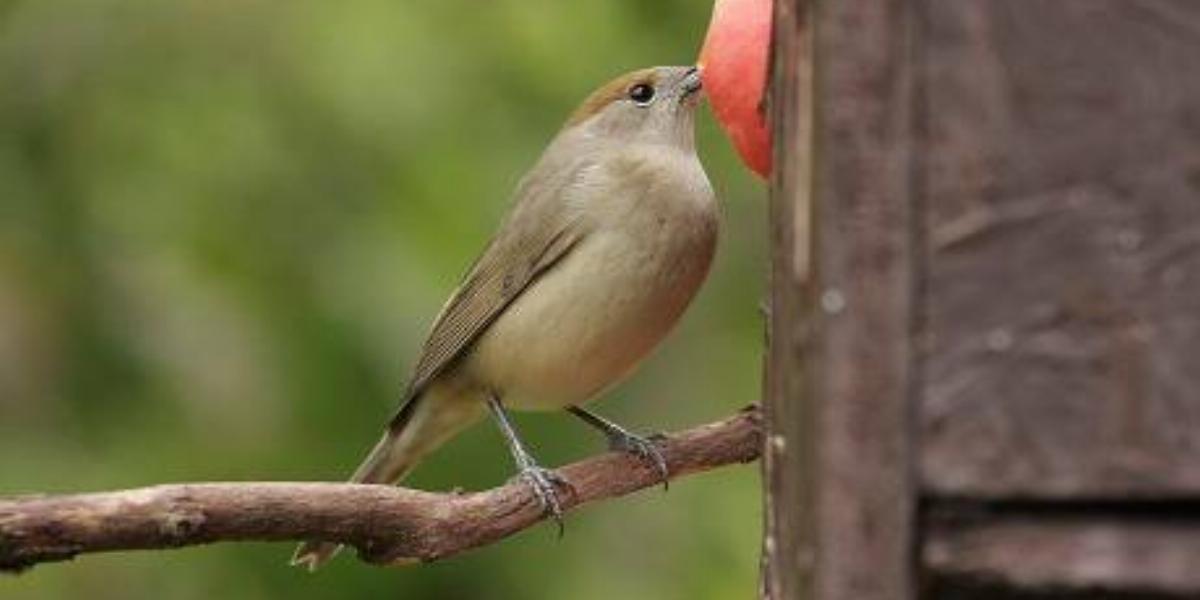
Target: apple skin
734,71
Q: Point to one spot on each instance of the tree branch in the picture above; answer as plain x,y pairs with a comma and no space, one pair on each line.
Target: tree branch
388,525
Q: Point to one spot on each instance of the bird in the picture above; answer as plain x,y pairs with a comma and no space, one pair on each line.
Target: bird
606,241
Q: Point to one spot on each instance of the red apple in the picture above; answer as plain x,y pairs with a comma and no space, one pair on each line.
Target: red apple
734,70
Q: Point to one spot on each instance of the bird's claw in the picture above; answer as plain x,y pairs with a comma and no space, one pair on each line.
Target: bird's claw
544,484
645,448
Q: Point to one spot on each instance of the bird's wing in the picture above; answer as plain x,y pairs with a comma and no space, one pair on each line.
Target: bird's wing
539,232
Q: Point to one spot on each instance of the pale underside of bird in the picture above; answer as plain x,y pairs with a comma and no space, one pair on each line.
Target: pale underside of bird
609,237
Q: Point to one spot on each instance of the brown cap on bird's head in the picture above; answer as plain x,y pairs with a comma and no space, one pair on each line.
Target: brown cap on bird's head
642,98
614,90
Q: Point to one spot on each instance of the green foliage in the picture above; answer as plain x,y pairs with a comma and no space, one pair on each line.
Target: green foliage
225,226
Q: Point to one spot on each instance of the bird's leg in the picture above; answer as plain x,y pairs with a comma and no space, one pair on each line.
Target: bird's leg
541,480
619,439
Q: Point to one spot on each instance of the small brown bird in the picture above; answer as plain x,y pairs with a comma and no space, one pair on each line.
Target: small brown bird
608,239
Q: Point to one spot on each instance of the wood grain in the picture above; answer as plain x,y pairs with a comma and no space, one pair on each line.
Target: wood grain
1146,557
1061,318
788,469
839,427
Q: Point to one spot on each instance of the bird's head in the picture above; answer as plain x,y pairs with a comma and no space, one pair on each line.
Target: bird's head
655,105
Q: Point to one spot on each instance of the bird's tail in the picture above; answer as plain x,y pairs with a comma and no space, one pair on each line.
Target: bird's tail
435,418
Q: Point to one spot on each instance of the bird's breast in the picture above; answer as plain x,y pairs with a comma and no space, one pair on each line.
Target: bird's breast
586,323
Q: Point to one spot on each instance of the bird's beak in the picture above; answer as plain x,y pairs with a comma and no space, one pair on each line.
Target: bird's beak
691,82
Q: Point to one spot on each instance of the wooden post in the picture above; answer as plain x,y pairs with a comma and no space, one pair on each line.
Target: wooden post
839,449
983,378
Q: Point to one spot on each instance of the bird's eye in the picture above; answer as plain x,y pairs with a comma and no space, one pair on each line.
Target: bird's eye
641,93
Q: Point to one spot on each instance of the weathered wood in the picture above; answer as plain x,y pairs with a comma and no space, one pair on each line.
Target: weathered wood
1064,554
787,471
1061,315
840,466
1054,188
388,525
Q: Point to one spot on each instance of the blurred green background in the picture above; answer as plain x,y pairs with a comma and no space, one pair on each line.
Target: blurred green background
225,226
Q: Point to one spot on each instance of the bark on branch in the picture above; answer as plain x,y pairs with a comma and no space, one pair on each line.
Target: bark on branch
388,525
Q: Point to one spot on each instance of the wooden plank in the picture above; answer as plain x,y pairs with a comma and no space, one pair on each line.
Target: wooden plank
1141,557
1060,322
839,442
788,468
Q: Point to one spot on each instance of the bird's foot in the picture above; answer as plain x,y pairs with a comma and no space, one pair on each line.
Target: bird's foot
545,484
645,448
